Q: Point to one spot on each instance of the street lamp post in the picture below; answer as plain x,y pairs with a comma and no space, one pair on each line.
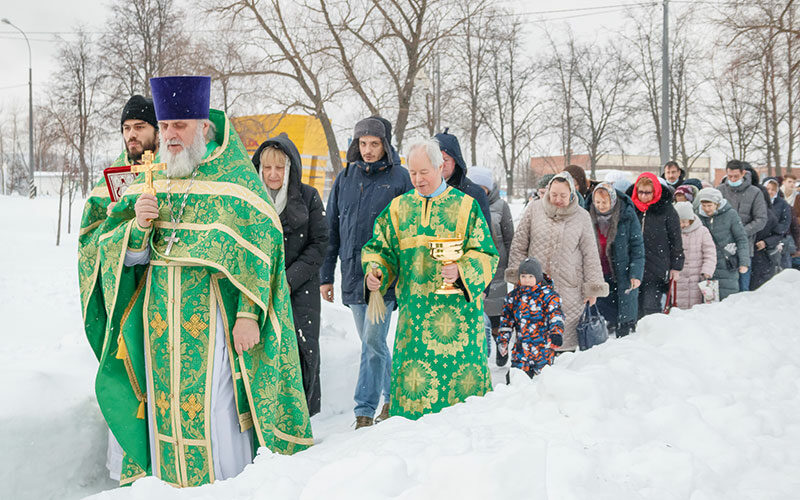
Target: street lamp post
31,183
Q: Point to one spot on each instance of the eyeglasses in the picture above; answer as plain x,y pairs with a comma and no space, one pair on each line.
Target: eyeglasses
644,193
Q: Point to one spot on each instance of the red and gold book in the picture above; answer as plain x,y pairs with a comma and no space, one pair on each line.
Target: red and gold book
117,180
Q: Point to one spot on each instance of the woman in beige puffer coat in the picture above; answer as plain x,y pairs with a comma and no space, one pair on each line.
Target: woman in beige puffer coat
559,233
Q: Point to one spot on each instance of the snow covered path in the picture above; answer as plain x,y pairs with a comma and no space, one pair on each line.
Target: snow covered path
699,405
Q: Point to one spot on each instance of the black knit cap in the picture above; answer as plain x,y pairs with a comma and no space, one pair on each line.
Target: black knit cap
531,266
139,108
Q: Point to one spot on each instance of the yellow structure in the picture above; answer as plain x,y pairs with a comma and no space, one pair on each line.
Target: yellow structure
306,133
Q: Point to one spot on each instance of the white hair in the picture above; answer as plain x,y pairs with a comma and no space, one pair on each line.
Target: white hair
211,134
431,148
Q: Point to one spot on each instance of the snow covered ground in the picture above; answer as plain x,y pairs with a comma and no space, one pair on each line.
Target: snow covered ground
699,405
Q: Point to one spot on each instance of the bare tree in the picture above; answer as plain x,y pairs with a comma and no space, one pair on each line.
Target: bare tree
375,41
688,81
75,99
143,39
472,56
763,36
736,115
560,70
511,123
602,98
229,63
293,54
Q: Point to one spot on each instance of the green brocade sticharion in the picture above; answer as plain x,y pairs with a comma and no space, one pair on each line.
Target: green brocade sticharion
439,354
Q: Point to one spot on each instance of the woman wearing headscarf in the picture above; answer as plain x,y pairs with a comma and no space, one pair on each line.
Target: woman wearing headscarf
305,239
730,239
621,249
663,248
559,234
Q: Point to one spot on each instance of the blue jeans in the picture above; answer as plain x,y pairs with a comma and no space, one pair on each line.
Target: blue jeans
487,327
375,370
744,281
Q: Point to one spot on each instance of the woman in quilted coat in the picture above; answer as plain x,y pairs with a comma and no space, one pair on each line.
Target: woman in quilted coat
559,234
700,257
730,239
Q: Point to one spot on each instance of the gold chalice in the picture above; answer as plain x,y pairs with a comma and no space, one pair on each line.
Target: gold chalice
446,251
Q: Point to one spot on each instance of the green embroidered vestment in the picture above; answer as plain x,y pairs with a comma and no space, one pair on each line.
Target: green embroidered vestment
229,256
439,356
93,224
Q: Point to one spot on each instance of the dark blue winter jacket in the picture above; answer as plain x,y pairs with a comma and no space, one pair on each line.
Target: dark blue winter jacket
359,195
625,253
449,144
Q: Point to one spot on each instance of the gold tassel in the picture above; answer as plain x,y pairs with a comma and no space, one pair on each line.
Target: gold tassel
140,411
122,351
376,310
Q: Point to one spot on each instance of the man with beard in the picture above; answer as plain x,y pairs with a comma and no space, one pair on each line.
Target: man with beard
200,363
140,132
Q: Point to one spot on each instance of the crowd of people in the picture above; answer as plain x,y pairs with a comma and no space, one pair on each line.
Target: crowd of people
200,297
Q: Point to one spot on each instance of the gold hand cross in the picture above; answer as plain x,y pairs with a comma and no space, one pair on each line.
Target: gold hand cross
148,167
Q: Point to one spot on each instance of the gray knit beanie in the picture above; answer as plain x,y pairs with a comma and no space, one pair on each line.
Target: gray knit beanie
685,210
710,194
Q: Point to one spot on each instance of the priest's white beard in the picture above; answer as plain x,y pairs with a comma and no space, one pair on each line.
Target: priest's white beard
183,163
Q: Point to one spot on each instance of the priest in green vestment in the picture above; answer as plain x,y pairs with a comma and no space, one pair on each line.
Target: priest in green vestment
199,364
439,354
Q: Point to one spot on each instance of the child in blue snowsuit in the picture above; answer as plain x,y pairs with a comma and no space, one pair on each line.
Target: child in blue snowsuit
533,310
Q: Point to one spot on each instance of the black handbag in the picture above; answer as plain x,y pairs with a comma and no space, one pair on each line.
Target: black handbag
592,328
731,261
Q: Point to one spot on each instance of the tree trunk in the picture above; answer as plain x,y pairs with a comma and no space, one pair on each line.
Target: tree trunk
60,203
330,138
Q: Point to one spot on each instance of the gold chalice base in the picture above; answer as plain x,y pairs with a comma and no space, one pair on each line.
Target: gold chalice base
447,251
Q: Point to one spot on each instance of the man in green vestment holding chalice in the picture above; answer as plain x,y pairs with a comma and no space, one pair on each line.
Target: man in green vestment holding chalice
439,354
199,366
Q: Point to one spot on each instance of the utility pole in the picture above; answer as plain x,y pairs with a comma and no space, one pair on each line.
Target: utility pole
665,79
31,182
438,94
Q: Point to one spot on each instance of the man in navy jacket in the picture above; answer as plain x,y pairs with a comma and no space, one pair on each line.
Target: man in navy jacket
372,178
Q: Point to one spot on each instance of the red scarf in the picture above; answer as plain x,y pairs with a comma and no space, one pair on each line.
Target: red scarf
642,206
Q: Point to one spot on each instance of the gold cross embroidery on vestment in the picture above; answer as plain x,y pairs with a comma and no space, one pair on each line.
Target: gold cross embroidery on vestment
195,326
191,406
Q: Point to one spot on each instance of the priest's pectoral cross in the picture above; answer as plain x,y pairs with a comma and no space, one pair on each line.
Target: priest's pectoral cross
148,167
171,239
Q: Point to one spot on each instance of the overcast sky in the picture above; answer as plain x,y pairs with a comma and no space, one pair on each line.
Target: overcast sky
42,20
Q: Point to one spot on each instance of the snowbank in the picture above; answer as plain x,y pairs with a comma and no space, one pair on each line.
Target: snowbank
702,404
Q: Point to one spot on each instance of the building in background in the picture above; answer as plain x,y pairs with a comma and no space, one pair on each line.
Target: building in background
633,165
304,131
